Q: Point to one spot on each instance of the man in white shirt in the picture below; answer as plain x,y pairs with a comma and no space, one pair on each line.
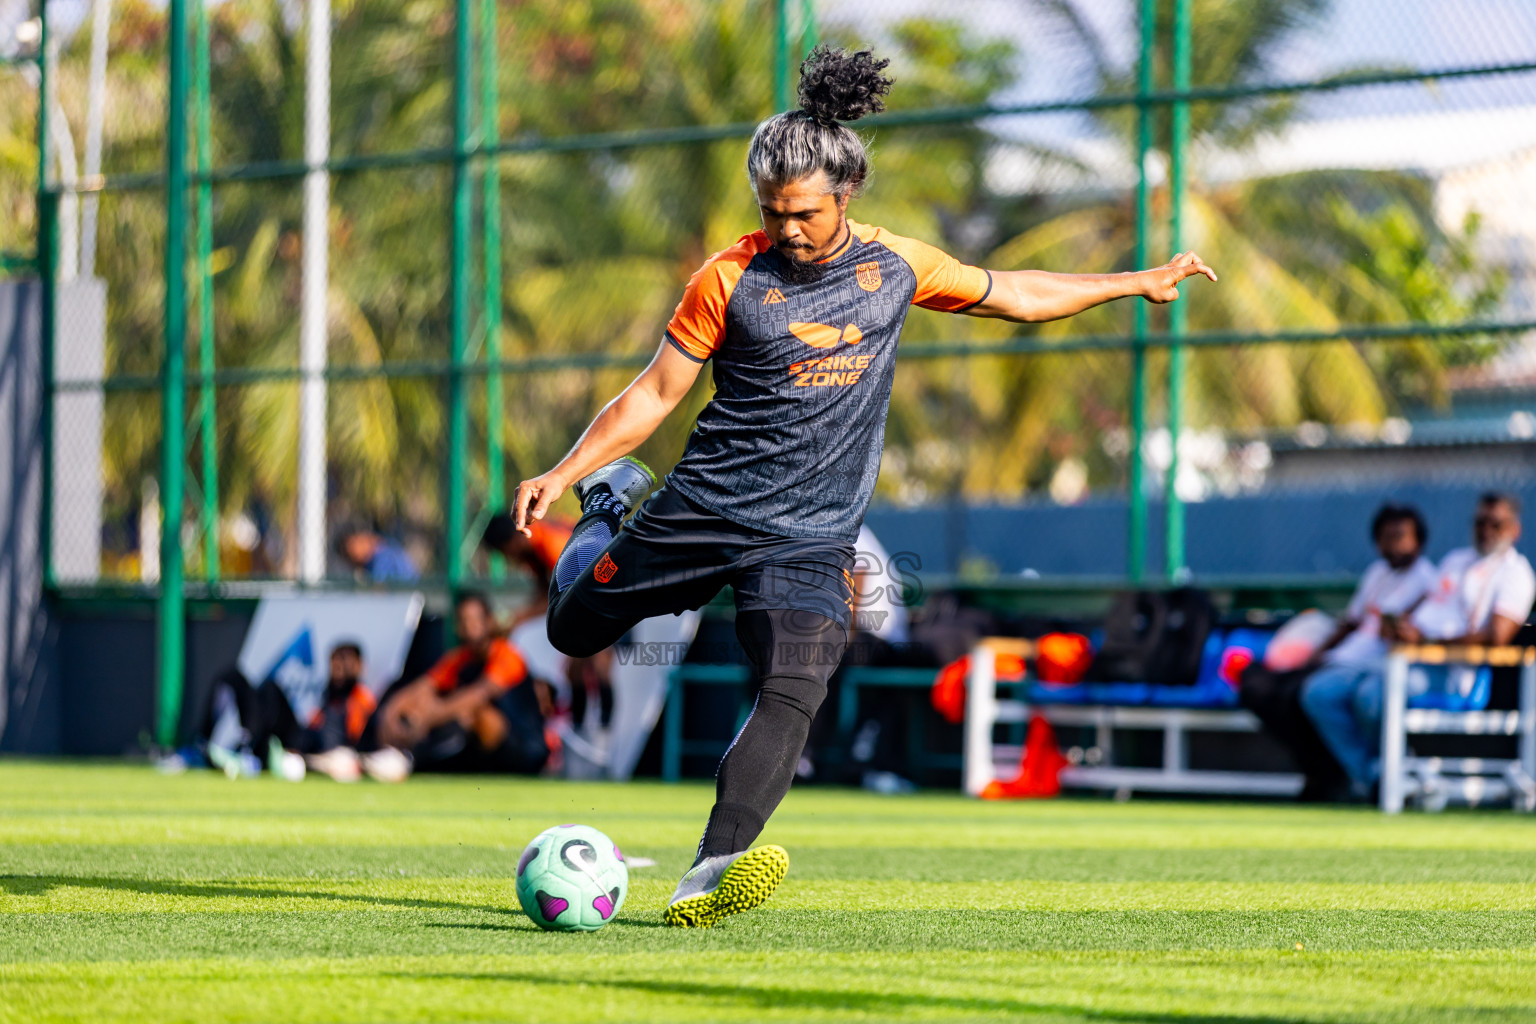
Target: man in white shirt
1481,595
879,608
1401,576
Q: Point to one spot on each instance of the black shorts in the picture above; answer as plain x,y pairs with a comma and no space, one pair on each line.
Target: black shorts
674,555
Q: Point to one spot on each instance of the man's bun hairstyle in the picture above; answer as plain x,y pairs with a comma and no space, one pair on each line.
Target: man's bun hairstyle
835,86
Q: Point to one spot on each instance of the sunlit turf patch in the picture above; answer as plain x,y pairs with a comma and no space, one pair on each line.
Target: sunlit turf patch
129,897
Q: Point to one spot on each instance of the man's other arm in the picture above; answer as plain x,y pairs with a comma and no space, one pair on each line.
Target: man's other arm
618,430
1034,296
408,715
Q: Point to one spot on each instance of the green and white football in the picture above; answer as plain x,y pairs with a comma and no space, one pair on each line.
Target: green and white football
571,878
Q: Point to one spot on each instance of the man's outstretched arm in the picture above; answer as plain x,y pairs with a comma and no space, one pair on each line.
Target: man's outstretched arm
618,430
1033,296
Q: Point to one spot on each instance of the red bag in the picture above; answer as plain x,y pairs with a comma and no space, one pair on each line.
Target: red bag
948,693
1063,658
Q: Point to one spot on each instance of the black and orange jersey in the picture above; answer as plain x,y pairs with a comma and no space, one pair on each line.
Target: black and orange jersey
791,442
500,664
340,722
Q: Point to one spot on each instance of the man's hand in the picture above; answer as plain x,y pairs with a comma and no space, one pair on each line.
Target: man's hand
1162,283
534,498
400,724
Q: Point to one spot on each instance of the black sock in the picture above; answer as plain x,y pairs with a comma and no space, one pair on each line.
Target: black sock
601,515
731,829
794,653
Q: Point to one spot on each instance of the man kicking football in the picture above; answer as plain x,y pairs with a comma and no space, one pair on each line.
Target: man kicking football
801,319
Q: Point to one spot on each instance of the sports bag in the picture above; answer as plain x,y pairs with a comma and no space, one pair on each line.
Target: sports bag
1155,637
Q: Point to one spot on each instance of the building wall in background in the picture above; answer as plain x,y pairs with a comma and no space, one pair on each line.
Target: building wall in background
1303,533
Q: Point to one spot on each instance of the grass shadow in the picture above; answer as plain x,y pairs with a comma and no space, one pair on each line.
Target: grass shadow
39,885
809,999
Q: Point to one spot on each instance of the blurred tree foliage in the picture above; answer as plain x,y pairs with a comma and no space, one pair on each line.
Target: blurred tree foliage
598,244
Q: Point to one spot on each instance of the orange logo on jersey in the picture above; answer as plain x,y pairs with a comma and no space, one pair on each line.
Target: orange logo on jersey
605,568
775,296
829,371
823,336
868,275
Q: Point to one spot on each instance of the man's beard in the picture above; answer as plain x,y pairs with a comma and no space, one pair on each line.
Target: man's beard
340,687
800,271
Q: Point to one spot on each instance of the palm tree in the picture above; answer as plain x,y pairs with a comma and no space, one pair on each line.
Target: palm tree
1372,254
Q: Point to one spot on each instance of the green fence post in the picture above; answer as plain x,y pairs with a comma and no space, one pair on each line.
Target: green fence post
172,653
207,412
458,329
490,135
781,57
1136,528
1177,316
46,257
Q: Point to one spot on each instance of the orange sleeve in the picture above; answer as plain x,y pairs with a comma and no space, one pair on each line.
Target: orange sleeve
698,325
445,674
360,707
943,282
504,667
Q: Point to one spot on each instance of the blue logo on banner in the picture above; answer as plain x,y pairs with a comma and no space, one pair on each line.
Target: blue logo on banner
294,669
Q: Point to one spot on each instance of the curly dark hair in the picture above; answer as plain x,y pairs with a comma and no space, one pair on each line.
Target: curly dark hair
1390,513
839,85
835,86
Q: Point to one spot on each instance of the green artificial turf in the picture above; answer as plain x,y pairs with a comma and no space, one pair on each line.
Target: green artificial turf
126,896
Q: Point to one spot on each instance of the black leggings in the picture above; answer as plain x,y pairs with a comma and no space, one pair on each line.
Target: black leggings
793,653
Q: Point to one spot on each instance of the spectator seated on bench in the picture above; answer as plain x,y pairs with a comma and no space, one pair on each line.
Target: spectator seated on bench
477,709
1483,595
1393,585
245,727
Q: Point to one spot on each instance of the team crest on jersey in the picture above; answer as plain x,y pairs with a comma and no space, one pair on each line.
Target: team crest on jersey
605,568
774,297
868,275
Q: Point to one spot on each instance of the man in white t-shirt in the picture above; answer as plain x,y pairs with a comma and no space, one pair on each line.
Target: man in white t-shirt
1481,595
879,609
1392,585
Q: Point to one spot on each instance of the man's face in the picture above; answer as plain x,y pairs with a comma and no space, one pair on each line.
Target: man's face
346,668
1398,543
359,548
472,624
1495,527
801,219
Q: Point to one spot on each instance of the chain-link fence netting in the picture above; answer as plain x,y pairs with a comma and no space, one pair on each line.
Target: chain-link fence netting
1358,171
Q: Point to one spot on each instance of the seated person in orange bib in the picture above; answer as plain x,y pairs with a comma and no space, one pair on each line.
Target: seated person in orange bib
801,320
476,710
535,553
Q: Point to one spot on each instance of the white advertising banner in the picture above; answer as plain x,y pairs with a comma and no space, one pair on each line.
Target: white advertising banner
291,637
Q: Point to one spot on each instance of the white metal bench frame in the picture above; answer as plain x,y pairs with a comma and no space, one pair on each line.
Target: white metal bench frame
1436,781
984,758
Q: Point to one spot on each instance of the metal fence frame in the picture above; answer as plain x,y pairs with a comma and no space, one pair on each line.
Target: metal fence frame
477,147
